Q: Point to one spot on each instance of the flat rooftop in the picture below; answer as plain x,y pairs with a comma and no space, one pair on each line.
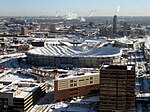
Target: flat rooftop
22,89
78,72
118,67
19,85
11,77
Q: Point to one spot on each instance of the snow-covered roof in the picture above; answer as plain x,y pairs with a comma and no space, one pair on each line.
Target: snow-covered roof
76,51
24,90
12,77
72,76
50,39
124,40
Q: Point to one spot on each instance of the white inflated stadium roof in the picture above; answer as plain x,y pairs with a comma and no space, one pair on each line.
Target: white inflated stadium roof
76,51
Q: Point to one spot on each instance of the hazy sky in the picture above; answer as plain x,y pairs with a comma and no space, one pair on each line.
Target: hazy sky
81,7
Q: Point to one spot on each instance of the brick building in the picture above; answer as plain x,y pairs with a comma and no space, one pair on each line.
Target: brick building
76,86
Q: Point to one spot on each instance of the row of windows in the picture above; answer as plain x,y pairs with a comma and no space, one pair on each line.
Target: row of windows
75,84
71,81
3,101
107,88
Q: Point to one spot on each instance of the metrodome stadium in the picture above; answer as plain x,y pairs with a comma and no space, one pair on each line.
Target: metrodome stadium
76,56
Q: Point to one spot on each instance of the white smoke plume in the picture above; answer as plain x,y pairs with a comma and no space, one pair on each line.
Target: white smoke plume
82,19
71,16
118,10
91,13
57,13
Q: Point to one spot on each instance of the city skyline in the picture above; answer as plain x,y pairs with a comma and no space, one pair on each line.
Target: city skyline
75,7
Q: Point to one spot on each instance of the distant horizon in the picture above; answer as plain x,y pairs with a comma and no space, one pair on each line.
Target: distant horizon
78,16
75,7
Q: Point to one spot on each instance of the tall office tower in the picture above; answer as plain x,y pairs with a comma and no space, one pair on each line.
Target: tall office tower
125,28
117,88
24,30
52,28
107,22
115,24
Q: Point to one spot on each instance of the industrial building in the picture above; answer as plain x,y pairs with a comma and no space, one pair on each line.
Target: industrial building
117,88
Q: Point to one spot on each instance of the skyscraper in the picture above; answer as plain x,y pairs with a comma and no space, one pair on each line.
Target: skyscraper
52,28
115,24
24,30
125,28
117,88
107,22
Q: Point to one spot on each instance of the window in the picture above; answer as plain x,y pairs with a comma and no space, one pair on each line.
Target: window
91,78
91,82
71,85
71,81
1,102
81,80
5,102
75,89
75,84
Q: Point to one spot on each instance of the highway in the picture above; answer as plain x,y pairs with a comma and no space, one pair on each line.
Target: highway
142,79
